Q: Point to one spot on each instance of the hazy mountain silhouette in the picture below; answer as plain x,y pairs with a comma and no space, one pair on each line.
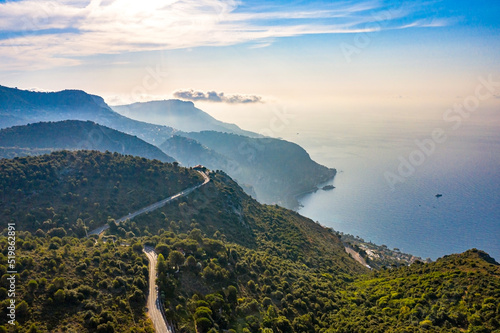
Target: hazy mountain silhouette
180,115
276,169
74,135
20,107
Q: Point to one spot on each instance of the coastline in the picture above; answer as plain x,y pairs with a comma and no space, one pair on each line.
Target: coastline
294,202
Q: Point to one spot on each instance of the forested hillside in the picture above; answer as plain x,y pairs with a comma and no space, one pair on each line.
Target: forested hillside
278,170
258,164
72,190
75,134
226,263
71,285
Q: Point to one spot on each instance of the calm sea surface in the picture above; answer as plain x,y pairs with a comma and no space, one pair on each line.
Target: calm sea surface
465,169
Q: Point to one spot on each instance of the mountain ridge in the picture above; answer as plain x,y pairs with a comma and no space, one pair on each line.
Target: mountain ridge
245,161
226,263
28,107
76,134
182,115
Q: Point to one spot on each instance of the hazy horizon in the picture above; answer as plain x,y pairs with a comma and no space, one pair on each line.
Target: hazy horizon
350,81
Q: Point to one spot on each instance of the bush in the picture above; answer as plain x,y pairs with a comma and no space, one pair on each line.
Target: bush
203,324
59,296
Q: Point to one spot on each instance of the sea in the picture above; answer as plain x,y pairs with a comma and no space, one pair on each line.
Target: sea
427,186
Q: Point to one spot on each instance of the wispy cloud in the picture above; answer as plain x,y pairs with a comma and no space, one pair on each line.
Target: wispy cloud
45,33
218,97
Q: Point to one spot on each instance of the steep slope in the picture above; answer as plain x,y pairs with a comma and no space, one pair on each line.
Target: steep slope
457,293
65,284
83,188
23,107
225,263
190,152
278,170
75,134
222,207
178,114
256,163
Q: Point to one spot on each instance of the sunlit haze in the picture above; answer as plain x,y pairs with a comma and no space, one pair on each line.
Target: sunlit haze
311,56
353,82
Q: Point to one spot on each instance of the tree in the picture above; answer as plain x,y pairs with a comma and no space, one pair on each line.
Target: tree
196,235
79,228
113,227
22,309
162,264
162,248
137,247
59,296
251,285
175,258
203,324
57,232
232,294
59,282
283,325
32,286
190,262
33,329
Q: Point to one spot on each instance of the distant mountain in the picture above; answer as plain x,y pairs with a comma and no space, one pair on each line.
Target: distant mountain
20,107
8,121
190,153
278,170
74,134
178,114
225,262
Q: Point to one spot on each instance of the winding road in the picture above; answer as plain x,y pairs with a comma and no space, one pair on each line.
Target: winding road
154,206
155,310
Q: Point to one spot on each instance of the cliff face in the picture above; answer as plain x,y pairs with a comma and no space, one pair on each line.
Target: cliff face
278,170
272,170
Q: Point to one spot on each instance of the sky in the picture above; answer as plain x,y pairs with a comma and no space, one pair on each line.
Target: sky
239,59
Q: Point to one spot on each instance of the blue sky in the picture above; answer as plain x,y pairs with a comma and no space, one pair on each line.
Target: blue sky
342,53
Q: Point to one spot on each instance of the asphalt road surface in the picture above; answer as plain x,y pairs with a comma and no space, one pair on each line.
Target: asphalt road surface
154,306
152,207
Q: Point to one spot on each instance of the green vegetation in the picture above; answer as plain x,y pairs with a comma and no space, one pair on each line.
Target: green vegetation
75,285
226,263
74,190
75,134
272,170
278,170
222,210
457,293
11,152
